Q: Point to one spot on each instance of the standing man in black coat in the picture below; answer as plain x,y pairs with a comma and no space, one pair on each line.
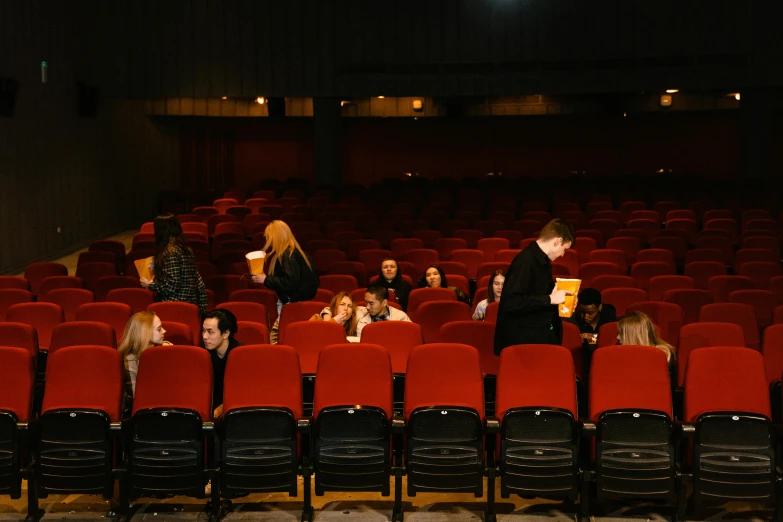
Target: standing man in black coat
528,306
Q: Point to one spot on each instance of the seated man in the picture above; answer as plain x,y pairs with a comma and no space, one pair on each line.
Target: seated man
591,314
217,332
376,308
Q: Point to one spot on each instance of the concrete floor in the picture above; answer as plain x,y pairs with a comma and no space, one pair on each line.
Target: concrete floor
349,507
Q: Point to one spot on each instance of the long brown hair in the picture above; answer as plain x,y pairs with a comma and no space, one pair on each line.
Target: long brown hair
168,236
490,286
350,324
138,334
280,241
636,328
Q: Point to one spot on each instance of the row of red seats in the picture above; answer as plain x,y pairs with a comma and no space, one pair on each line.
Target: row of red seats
443,441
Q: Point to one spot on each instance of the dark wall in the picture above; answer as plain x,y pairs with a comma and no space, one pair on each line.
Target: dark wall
91,177
704,143
324,48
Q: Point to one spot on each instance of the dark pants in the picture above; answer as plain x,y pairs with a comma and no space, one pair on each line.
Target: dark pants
534,336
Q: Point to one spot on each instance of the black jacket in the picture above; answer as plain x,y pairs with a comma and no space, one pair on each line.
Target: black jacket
293,281
400,286
525,313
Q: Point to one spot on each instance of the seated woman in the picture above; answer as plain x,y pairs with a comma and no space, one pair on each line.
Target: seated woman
144,329
390,278
435,278
636,328
494,290
341,311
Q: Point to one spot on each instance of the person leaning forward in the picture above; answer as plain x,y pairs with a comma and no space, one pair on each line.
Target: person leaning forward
527,313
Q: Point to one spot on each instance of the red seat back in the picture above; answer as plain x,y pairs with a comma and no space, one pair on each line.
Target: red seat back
77,333
175,377
36,272
535,375
250,332
137,298
629,377
41,316
622,298
667,316
12,296
263,375
19,335
246,311
185,313
422,295
397,337
69,299
17,381
762,301
478,334
72,384
349,374
297,312
308,338
736,313
705,335
690,300
709,369
444,374
179,334
659,285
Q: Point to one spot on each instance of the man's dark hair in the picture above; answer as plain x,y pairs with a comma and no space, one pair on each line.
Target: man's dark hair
558,228
590,296
380,292
226,321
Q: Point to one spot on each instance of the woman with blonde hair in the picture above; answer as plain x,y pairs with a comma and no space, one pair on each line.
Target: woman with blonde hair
340,311
291,272
144,329
637,329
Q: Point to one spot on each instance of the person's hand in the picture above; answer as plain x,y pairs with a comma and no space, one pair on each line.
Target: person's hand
340,318
218,411
478,316
145,283
557,297
258,278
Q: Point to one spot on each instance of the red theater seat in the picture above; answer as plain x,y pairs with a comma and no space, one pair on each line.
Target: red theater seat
69,299
41,316
115,315
76,333
742,315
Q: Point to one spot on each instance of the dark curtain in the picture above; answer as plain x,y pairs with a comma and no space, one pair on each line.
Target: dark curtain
206,160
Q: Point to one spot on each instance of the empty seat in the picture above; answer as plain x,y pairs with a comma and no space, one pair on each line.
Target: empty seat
690,300
622,298
398,337
490,245
629,245
250,332
12,296
589,271
41,316
605,282
721,286
422,295
471,258
308,338
258,295
55,282
262,389
166,454
353,408
643,271
185,313
656,254
444,415
431,315
298,312
36,272
77,333
631,404
732,424
19,335
115,315
704,335
478,334
659,285
760,272
69,299
246,311
17,382
91,272
19,283
772,349
338,283
702,271
742,315
137,298
79,399
179,334
746,255
762,301
616,257
537,409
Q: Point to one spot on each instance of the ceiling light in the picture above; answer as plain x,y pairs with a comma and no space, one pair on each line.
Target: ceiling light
672,91
418,105
381,97
344,103
260,100
737,96
224,98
